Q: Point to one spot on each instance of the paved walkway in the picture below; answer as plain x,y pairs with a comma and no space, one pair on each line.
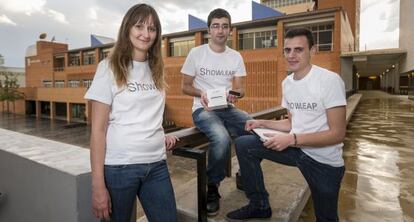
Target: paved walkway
379,157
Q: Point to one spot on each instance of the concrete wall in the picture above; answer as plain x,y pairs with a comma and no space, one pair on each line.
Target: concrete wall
347,74
43,180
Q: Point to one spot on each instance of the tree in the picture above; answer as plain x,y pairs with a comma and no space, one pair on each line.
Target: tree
9,90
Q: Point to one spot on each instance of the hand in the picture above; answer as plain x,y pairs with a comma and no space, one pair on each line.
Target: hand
101,203
204,100
232,98
170,141
251,124
278,142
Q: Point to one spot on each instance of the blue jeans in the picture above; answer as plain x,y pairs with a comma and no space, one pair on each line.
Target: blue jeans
150,182
218,126
324,180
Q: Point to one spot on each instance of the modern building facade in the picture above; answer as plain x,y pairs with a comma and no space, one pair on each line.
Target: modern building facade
57,78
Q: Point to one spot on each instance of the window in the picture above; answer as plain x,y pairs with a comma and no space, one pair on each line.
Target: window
265,39
74,59
88,58
258,39
87,83
283,3
47,83
181,48
59,83
104,53
322,35
73,83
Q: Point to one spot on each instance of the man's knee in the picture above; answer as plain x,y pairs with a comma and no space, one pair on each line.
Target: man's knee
244,143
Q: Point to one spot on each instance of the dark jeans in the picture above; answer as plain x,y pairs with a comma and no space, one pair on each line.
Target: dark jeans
324,180
150,182
218,125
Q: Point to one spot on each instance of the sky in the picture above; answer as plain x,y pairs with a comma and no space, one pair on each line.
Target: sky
72,22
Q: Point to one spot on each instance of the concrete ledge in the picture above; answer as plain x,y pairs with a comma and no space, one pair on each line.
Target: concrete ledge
288,190
43,180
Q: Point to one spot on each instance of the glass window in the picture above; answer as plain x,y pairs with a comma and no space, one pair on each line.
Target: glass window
88,58
258,40
104,53
181,48
59,83
47,83
87,83
74,59
246,41
322,35
73,83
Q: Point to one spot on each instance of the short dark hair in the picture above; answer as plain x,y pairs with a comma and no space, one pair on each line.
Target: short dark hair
300,32
218,13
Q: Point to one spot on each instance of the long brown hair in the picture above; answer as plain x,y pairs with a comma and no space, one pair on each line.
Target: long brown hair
121,55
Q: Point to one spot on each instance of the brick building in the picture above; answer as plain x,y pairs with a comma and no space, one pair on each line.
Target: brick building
57,78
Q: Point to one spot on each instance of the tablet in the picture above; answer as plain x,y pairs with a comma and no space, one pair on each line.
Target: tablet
261,131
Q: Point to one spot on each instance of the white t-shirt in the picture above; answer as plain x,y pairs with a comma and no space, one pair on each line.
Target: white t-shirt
135,133
307,100
212,70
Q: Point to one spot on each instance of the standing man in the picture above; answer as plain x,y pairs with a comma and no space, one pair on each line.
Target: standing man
315,100
212,66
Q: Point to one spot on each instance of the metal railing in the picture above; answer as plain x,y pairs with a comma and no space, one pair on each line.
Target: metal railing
193,144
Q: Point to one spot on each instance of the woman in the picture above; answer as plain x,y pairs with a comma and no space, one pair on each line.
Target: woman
127,140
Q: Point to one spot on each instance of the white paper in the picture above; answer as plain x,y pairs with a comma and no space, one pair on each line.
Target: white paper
261,131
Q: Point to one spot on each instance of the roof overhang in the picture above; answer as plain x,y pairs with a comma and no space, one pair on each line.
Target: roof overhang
375,62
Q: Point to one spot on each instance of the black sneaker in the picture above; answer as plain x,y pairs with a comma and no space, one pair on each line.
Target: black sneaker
249,213
213,200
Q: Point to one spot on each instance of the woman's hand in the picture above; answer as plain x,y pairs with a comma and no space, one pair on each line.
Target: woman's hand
170,141
101,203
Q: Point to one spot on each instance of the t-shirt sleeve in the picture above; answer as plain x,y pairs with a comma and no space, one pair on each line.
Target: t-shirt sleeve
189,67
241,69
333,93
101,87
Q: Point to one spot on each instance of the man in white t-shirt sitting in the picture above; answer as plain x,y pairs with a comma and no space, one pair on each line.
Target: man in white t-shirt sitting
315,100
216,66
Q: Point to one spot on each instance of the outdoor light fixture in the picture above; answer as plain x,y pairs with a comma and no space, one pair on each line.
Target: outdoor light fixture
387,70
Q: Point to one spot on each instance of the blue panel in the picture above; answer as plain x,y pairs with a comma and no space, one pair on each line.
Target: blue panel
195,23
95,41
260,11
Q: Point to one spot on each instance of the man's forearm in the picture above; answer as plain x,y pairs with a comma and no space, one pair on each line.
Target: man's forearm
191,91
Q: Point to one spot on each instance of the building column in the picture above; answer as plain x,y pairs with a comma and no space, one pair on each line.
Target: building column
165,49
396,72
198,39
88,112
52,110
38,114
234,38
68,112
97,56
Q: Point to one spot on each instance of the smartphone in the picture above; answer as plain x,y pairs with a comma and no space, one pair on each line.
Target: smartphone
234,93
